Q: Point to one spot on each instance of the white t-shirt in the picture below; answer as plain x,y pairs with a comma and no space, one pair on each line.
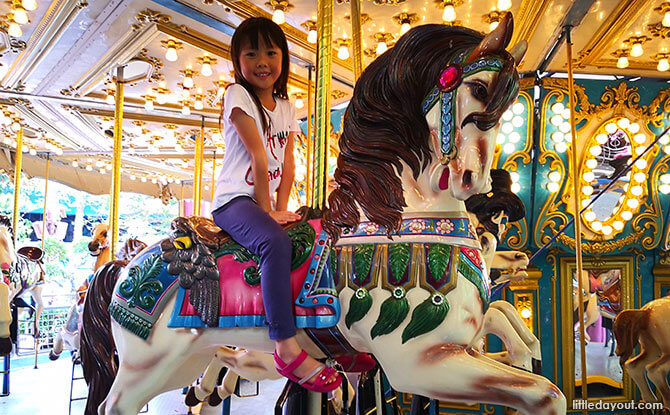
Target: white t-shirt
235,178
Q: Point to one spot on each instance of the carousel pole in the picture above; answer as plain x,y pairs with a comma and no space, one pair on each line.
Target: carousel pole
116,160
213,175
197,178
310,142
18,158
578,223
44,211
181,200
356,36
322,114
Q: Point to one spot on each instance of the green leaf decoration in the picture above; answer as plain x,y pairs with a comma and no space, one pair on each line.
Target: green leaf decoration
393,311
398,260
438,259
476,279
359,305
302,241
252,275
363,261
426,317
140,284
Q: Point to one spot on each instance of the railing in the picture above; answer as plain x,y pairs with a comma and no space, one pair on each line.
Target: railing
51,321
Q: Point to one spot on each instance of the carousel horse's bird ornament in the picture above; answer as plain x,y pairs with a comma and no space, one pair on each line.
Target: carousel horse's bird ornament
22,272
393,268
647,327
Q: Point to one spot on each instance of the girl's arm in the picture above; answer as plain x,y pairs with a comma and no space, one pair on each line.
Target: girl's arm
287,176
248,132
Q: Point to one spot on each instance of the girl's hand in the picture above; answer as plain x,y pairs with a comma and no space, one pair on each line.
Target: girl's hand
283,217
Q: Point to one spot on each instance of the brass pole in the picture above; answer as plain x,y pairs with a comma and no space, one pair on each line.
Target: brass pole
44,211
18,158
322,114
181,201
213,175
578,220
356,37
197,179
309,180
116,160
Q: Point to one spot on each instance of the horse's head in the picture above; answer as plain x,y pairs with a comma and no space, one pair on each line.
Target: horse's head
7,252
99,241
419,132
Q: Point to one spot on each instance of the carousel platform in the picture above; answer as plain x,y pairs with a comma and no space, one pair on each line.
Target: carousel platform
46,390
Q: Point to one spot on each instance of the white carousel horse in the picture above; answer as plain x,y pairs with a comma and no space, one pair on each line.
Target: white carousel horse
21,269
68,337
431,147
649,328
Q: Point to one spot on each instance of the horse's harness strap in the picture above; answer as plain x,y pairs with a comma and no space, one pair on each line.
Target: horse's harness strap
331,342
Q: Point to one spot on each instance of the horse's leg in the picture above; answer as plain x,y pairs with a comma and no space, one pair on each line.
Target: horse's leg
5,320
207,384
520,328
36,293
58,346
635,366
474,378
496,323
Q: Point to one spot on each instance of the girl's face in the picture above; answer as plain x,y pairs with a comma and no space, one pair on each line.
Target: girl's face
260,67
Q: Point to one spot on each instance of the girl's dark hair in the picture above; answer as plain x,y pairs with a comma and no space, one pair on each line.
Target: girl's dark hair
252,29
384,123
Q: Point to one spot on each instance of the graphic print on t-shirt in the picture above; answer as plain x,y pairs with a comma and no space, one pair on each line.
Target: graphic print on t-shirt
271,142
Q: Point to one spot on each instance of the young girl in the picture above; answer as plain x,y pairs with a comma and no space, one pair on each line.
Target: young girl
259,127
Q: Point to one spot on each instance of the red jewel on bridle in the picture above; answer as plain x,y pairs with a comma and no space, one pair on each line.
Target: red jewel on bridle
450,78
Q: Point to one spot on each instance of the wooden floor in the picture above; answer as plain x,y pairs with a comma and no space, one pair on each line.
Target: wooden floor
46,390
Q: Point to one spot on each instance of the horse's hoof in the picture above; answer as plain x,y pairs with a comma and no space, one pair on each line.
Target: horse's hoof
53,356
190,399
214,398
5,346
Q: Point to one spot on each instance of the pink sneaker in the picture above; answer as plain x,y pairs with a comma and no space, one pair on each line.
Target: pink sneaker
324,373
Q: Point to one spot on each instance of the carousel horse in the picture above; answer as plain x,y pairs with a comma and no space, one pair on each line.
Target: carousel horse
68,337
405,283
649,328
22,271
99,246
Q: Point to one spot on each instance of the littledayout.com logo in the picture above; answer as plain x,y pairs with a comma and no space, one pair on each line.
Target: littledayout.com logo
614,406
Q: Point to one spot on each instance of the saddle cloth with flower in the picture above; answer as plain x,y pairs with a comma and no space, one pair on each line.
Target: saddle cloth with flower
139,300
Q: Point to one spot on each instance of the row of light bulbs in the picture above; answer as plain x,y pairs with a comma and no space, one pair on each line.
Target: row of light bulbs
18,16
635,43
507,137
103,167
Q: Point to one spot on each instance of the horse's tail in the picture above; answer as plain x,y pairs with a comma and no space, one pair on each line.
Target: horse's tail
627,327
97,344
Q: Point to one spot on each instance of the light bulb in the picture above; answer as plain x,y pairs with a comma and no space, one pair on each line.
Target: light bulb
16,126
449,13
622,62
188,82
185,93
75,164
32,151
149,105
206,69
171,54
311,36
29,4
590,216
504,4
109,99
553,187
493,25
663,65
555,176
186,110
298,103
636,50
404,28
161,98
623,123
666,19
198,105
343,52
14,30
278,16
20,15
381,48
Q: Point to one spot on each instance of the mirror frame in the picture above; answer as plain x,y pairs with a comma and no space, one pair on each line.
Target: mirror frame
567,267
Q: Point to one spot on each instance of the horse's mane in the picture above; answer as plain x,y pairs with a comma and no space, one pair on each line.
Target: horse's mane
384,123
6,222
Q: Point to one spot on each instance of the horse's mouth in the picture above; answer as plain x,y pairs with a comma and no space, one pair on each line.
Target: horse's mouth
97,252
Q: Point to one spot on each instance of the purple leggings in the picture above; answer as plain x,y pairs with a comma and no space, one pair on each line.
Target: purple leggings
254,229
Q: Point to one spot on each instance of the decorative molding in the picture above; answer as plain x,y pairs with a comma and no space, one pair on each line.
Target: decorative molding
527,19
55,22
618,21
127,115
658,30
601,247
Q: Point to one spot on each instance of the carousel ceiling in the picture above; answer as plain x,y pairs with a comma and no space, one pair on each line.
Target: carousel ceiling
56,60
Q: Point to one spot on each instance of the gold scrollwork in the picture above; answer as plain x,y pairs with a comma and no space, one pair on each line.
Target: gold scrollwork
147,16
601,247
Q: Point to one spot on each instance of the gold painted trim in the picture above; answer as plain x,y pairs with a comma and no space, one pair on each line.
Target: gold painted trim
527,19
142,117
618,21
567,267
661,278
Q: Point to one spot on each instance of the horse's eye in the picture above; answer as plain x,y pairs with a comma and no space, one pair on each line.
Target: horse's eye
479,91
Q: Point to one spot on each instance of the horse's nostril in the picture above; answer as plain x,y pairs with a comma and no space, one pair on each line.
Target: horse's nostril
467,178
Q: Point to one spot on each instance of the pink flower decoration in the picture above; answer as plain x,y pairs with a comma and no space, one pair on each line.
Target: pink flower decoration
444,226
371,228
416,226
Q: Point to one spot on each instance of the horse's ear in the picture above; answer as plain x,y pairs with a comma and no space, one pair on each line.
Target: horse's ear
497,40
518,51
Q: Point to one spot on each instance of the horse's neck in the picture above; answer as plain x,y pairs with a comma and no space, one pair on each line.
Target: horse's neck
421,198
104,257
